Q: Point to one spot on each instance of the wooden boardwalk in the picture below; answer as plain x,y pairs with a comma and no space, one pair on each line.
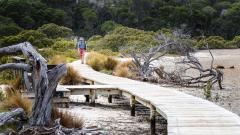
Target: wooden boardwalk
185,114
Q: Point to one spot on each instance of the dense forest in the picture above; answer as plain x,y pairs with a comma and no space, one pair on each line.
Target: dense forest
86,17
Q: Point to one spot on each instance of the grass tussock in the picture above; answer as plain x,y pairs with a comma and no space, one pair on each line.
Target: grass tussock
96,60
71,78
67,119
14,99
17,83
110,63
122,72
101,62
58,59
123,69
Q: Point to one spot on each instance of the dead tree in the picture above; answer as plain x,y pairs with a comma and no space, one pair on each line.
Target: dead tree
210,74
177,42
42,81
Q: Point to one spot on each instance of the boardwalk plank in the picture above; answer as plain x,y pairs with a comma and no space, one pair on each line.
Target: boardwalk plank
186,114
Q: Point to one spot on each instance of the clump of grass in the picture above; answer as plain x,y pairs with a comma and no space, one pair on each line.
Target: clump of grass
71,78
67,120
58,59
17,83
110,63
15,100
123,69
2,96
207,91
96,60
122,72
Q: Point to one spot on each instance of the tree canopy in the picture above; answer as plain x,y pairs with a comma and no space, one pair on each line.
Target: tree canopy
86,18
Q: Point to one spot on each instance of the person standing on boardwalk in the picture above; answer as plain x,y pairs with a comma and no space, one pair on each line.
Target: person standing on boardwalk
82,47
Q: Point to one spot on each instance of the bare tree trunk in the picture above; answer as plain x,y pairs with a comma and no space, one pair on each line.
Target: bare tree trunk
40,76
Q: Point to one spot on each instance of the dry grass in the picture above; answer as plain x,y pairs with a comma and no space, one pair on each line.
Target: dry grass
123,69
17,83
110,63
122,72
71,78
15,100
96,60
101,62
58,59
67,120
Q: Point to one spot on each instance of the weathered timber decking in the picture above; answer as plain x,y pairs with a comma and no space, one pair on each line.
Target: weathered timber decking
186,114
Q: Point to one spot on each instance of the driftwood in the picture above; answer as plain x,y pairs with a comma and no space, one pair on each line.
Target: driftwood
42,81
190,62
5,117
211,74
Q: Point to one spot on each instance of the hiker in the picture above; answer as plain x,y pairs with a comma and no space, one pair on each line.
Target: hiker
81,44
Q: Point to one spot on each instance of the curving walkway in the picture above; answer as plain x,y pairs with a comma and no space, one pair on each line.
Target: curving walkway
186,114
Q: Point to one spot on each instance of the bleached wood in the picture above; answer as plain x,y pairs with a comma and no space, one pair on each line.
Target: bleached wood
186,114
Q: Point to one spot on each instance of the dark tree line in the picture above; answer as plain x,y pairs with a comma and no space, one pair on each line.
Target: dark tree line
212,17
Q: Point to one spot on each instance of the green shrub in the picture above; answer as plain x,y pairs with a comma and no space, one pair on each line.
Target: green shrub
35,37
109,26
63,45
108,52
208,90
124,37
2,96
235,43
9,29
55,31
213,42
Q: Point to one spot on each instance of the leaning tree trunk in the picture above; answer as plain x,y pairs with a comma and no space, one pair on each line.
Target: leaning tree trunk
43,81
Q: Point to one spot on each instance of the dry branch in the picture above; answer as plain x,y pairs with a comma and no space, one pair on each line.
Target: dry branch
5,117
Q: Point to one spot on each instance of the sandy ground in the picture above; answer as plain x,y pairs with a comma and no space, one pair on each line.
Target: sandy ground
114,118
229,97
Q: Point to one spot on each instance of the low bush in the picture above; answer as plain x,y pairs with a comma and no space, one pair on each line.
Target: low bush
58,59
2,96
215,42
67,119
124,37
55,31
96,60
71,78
63,45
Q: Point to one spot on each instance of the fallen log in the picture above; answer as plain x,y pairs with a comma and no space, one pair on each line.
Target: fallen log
5,117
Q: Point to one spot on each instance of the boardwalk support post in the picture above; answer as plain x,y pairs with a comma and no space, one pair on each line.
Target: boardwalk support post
133,105
153,119
109,98
92,96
